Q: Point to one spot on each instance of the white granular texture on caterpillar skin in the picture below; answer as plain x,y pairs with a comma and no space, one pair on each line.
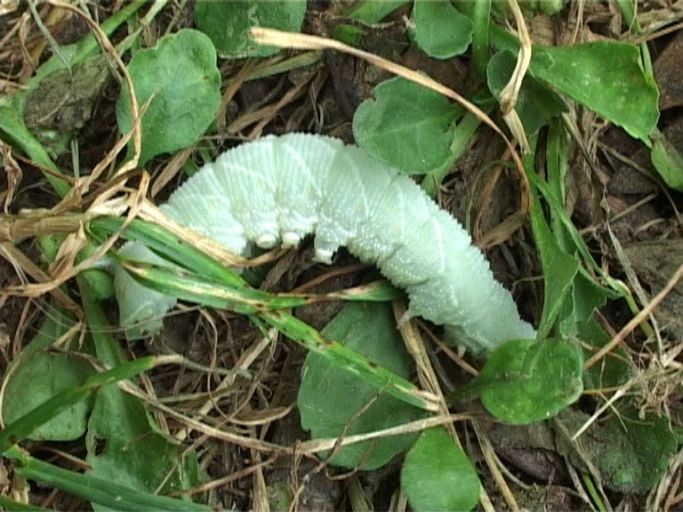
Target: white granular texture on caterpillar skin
277,190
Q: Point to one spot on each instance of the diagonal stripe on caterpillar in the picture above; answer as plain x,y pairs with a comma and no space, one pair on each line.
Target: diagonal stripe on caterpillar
277,190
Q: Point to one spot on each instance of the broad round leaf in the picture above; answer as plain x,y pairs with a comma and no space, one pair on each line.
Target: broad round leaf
37,379
331,397
227,23
437,475
525,381
441,31
407,126
181,78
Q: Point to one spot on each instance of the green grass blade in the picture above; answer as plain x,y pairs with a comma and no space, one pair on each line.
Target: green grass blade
100,491
12,125
349,359
195,288
171,247
22,427
481,16
167,245
15,506
376,291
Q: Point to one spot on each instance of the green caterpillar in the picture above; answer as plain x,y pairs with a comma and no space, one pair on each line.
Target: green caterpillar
277,190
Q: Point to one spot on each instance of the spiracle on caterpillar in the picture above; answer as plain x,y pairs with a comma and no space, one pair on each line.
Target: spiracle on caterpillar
279,189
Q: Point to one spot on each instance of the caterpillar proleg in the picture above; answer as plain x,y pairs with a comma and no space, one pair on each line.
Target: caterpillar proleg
277,190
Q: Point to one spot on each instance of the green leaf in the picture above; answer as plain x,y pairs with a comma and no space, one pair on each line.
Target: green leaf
566,232
612,370
586,296
536,104
104,493
559,269
330,396
180,77
440,30
130,450
227,23
24,426
668,161
39,376
641,453
63,102
631,454
604,76
525,381
407,126
463,132
437,475
607,78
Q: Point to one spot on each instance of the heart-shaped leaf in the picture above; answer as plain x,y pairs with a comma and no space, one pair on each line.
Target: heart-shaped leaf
525,381
180,78
407,126
437,475
440,30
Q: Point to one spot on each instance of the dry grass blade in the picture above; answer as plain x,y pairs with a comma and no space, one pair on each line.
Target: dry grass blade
24,265
663,377
492,463
109,49
308,42
243,364
64,267
429,381
170,170
308,447
510,93
15,228
636,320
669,492
149,212
13,175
